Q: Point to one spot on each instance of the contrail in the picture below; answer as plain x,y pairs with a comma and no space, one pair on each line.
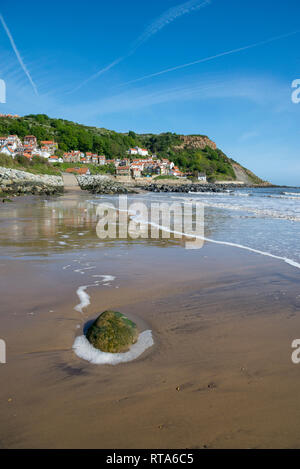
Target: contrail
166,18
18,55
207,59
103,70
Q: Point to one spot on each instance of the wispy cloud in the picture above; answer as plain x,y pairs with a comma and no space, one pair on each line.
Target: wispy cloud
212,57
165,19
258,90
249,135
20,60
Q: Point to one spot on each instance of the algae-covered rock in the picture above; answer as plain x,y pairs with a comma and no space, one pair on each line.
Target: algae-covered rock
112,332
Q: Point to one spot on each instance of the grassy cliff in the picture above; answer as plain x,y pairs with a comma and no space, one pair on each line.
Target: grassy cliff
190,153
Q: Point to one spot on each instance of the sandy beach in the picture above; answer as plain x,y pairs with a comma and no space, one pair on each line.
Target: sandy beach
219,375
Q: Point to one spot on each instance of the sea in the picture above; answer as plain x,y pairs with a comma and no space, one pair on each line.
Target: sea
263,220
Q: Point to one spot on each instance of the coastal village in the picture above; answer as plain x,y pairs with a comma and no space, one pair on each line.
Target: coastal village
137,162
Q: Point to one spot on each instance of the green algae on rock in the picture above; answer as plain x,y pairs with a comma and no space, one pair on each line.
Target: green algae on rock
112,332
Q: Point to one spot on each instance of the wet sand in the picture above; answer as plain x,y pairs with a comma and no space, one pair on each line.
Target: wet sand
220,373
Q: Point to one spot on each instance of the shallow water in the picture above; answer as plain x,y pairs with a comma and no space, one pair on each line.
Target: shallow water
263,219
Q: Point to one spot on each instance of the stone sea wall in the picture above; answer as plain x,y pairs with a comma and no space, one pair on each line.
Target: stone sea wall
102,185
13,181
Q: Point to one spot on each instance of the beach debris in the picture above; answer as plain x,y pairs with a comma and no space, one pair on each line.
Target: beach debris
178,388
112,332
212,385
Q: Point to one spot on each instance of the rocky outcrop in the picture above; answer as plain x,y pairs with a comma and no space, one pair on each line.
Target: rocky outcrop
13,181
102,185
112,332
195,142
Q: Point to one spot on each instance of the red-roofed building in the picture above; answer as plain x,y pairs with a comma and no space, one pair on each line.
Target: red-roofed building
72,157
30,140
138,151
78,170
49,146
123,171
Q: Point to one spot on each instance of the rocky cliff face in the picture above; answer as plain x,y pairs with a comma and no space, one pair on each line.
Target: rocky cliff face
195,142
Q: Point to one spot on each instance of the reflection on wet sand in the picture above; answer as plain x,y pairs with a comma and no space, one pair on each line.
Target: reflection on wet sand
63,223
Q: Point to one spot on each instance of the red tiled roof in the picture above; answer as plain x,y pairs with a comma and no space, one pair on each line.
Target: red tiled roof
77,170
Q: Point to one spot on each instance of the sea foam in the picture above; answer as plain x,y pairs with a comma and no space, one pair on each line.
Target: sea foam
84,298
83,349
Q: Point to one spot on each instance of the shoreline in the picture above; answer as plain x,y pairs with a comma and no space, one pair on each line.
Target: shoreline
17,183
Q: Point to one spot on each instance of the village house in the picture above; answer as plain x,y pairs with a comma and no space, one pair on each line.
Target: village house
10,116
11,145
81,171
55,159
138,151
143,152
124,162
164,171
176,172
136,171
102,160
88,157
132,151
13,142
72,157
6,150
49,146
123,171
29,149
95,160
202,177
30,141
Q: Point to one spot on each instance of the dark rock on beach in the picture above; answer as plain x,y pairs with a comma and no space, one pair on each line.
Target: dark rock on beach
186,188
112,332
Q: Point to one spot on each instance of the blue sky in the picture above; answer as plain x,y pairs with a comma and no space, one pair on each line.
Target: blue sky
97,63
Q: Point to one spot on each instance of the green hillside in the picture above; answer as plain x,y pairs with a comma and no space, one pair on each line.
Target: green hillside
193,155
